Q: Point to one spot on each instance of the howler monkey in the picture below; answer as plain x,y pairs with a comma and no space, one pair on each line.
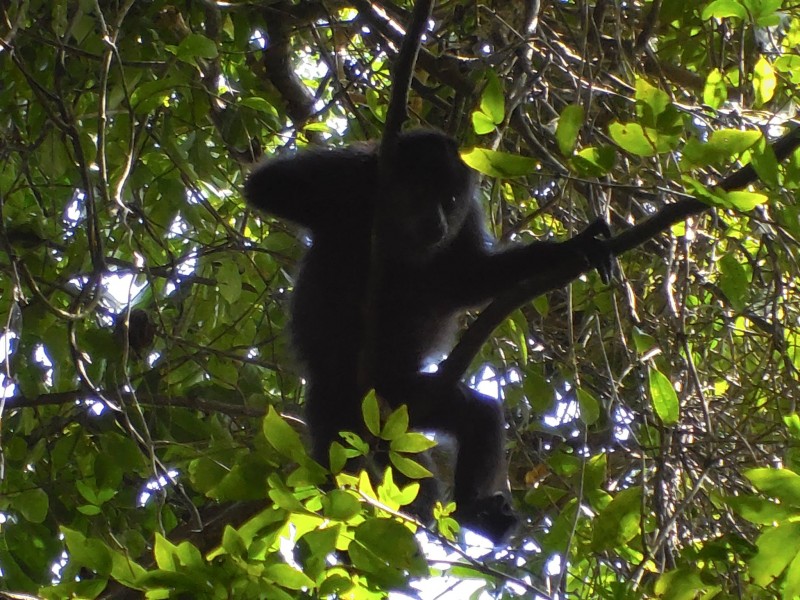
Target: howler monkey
409,222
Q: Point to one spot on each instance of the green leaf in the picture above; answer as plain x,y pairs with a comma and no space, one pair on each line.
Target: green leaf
481,123
259,104
406,495
712,197
396,424
721,147
732,142
499,164
638,140
619,522
789,66
164,553
715,92
538,391
124,569
412,442
340,505
189,555
680,584
154,94
569,126
32,505
229,281
318,127
493,100
388,550
745,201
87,491
288,577
663,396
322,541
282,437
651,101
764,81
792,423
595,472
760,511
372,413
90,510
87,552
285,499
233,543
721,9
338,457
543,496
765,163
777,548
791,584
643,341
593,162
777,483
205,473
734,281
335,586
355,443
590,407
762,10
195,46
409,467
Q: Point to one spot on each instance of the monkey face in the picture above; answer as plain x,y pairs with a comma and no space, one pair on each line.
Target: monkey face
418,220
426,195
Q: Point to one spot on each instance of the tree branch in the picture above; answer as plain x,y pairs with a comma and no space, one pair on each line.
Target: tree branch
397,113
395,117
74,396
456,364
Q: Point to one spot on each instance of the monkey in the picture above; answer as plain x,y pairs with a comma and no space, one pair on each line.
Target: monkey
399,251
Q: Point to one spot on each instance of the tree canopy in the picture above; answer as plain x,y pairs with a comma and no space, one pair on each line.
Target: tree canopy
151,433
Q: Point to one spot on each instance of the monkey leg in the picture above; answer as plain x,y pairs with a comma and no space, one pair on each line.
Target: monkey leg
331,408
478,425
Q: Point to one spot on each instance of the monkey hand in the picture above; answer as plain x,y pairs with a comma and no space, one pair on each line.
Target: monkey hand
593,244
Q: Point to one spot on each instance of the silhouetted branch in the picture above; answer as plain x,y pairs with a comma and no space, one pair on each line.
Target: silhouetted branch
457,363
404,72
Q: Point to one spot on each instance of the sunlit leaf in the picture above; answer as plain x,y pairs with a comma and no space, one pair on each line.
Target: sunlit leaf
777,548
281,436
764,81
590,407
372,413
715,92
396,424
569,126
499,164
720,9
663,396
619,522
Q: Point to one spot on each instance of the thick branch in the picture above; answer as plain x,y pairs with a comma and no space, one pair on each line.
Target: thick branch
209,406
404,72
396,116
280,70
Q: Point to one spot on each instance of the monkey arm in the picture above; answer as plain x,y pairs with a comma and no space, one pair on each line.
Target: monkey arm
480,274
313,187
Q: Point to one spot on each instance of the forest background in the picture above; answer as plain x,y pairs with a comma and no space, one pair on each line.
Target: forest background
151,435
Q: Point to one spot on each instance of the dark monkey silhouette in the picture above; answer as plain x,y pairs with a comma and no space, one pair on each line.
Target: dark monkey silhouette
433,259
